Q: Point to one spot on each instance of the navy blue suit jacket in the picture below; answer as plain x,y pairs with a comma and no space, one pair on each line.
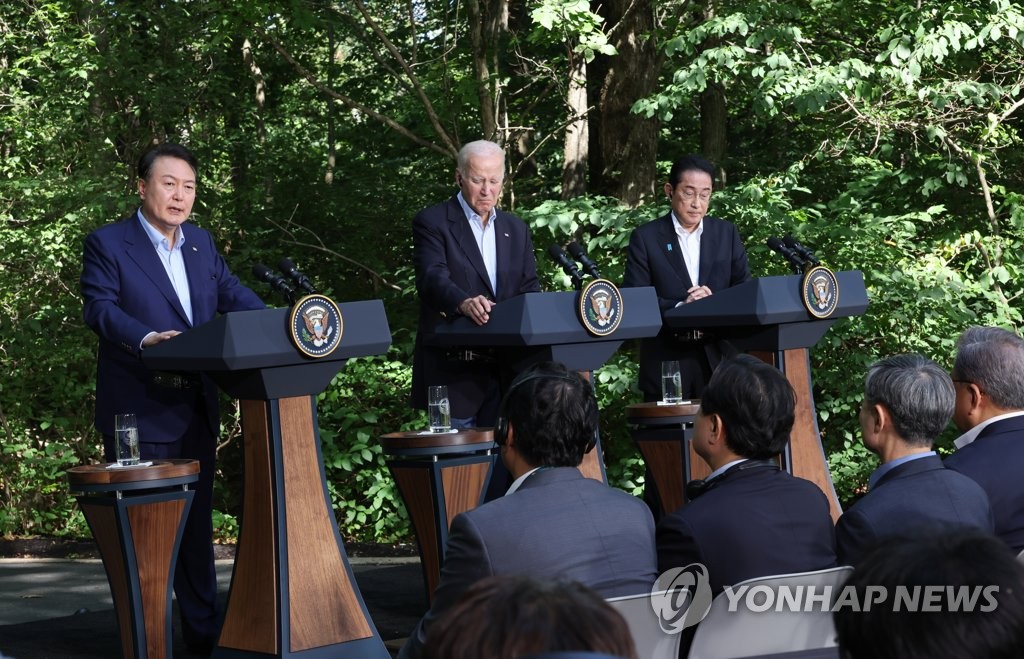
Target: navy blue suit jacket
557,525
920,495
449,269
654,259
753,522
127,295
995,460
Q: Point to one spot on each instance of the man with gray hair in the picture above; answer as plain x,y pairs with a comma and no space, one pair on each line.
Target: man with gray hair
908,401
989,376
469,257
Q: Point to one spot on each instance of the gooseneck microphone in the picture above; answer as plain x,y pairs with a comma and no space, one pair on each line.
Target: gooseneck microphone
807,254
581,256
795,261
277,282
287,267
568,266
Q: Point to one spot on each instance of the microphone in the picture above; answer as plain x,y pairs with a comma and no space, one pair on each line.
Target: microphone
807,254
568,266
581,256
263,273
795,260
287,267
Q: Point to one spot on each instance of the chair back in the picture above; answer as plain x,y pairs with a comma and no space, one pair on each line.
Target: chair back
651,641
1020,556
785,626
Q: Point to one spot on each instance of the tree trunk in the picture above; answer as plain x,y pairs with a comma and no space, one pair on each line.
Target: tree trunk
712,126
623,161
488,26
577,133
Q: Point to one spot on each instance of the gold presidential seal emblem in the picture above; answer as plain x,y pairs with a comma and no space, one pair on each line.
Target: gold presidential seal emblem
820,291
316,325
599,307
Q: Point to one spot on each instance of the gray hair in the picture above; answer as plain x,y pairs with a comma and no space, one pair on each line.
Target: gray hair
917,392
993,359
480,149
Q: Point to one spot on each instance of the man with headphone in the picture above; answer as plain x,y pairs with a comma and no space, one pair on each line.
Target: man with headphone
748,518
552,523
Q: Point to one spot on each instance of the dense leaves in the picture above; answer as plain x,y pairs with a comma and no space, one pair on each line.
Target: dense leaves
884,135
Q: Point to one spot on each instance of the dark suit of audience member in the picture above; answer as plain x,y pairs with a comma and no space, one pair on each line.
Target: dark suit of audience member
658,257
132,302
469,256
908,401
979,612
554,524
989,378
748,519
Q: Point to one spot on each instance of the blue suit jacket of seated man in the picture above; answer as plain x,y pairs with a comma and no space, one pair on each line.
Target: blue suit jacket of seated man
557,525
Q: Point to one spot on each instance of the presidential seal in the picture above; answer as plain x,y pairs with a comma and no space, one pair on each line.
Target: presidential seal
599,307
315,325
820,291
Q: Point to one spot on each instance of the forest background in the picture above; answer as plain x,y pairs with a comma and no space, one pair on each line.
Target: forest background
883,134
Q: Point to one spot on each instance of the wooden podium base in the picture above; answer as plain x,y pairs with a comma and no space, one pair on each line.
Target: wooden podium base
292,592
137,515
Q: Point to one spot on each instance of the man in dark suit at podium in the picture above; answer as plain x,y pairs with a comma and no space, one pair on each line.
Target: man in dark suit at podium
144,280
748,518
553,523
686,256
989,376
469,256
908,401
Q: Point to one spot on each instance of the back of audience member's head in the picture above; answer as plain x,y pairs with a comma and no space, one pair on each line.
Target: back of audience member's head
993,628
917,392
755,402
513,616
993,359
553,415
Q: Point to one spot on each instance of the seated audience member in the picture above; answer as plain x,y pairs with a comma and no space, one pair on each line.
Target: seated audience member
553,523
989,376
748,518
908,401
506,617
986,621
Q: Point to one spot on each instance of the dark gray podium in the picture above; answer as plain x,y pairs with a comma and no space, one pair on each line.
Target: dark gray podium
537,327
767,318
292,591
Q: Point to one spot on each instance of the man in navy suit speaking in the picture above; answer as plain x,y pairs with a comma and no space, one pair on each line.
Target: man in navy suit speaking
469,256
686,256
144,280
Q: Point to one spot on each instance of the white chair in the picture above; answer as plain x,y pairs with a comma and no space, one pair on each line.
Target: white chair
748,632
650,640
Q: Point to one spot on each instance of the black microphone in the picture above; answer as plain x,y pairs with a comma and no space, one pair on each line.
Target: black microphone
807,254
287,267
581,256
795,260
263,273
568,266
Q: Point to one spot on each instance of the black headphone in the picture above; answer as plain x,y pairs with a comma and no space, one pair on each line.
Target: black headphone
699,486
501,425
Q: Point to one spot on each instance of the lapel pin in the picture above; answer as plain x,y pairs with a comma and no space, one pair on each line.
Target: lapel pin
668,246
506,235
194,248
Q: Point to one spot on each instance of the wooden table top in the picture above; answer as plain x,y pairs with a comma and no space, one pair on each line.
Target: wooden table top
100,474
657,410
400,441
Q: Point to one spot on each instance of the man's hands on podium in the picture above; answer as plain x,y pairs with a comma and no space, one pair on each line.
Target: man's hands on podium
154,338
695,293
477,308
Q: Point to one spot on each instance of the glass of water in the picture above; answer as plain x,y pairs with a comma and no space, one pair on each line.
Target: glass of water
126,434
671,383
438,409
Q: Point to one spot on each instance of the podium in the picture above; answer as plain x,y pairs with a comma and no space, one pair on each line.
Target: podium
137,515
292,590
766,317
538,327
